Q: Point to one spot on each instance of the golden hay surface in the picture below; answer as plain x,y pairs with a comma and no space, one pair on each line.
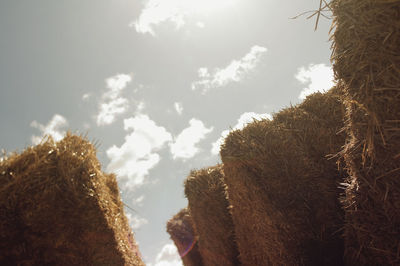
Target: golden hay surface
209,207
182,232
284,194
58,208
316,123
366,57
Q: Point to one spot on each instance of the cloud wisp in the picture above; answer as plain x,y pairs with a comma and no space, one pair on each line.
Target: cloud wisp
243,120
317,78
236,71
112,103
135,221
156,12
175,12
86,96
53,129
138,201
185,144
178,108
138,154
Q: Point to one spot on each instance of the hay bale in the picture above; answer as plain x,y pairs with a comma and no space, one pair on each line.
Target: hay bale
283,191
58,208
209,207
366,45
316,123
182,232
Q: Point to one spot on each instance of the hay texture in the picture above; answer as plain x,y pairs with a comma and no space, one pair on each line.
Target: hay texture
182,232
366,57
209,207
283,190
58,208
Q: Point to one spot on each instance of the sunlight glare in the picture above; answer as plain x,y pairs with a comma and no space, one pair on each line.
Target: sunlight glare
205,7
178,11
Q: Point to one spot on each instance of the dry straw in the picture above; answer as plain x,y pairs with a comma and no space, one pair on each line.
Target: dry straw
182,232
283,190
366,57
209,206
58,208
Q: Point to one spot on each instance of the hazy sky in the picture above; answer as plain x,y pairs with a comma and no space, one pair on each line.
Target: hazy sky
158,83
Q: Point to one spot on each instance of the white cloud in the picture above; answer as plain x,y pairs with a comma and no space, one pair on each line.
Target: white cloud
86,96
139,201
53,129
135,221
316,77
178,108
138,154
168,256
184,146
140,107
243,120
109,110
236,71
116,84
155,12
175,12
112,103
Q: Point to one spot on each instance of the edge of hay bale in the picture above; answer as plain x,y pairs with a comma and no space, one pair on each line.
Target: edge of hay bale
366,62
285,202
57,207
209,207
181,229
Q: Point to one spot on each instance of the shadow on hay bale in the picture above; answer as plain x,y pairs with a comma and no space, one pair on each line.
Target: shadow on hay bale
366,56
58,208
182,232
209,207
284,193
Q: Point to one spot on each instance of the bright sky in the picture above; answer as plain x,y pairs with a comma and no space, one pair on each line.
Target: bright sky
158,83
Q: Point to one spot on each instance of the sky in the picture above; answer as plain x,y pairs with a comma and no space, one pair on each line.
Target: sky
158,83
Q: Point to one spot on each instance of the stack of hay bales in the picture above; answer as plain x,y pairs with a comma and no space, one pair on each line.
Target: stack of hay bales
208,204
182,232
58,208
366,57
285,201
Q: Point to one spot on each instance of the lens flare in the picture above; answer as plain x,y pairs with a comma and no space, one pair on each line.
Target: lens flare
189,248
